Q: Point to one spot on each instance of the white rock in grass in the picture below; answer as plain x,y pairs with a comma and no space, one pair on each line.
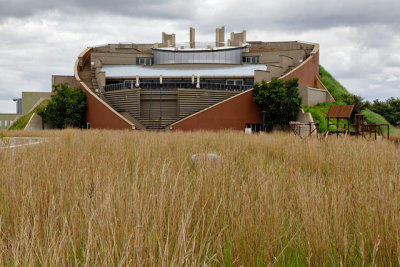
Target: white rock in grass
205,156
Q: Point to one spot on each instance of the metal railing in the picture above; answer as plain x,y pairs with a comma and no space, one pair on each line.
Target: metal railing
175,85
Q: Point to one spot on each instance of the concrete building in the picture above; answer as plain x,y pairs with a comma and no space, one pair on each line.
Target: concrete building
193,85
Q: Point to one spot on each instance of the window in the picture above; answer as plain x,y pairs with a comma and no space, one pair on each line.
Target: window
5,123
128,84
254,60
234,82
0,123
144,61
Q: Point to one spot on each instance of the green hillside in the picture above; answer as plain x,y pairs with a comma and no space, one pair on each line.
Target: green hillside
338,91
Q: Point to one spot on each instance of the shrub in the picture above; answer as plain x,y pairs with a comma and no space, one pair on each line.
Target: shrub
279,101
67,107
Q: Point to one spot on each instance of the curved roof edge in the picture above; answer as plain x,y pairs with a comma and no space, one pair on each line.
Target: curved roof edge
79,63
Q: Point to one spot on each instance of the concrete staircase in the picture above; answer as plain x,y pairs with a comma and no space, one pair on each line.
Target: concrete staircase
94,79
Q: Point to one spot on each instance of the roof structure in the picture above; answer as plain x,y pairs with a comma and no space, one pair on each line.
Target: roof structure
342,112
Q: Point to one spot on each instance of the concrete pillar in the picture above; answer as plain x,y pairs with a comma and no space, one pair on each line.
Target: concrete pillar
198,81
192,38
173,39
220,36
237,39
19,105
168,39
192,78
137,84
160,78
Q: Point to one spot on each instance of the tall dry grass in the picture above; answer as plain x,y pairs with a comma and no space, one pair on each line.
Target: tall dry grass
135,198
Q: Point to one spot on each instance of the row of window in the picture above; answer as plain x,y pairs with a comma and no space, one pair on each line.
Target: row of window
5,123
253,60
180,58
144,61
211,57
234,82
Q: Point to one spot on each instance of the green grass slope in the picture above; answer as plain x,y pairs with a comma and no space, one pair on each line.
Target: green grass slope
338,91
334,87
21,123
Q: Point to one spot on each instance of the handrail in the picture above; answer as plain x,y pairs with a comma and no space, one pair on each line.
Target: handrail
173,85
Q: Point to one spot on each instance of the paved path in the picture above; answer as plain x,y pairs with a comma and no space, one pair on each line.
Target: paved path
13,142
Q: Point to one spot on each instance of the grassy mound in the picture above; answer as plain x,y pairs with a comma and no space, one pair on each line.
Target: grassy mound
21,123
338,91
334,87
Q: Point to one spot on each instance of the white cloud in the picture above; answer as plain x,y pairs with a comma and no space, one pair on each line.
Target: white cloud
359,39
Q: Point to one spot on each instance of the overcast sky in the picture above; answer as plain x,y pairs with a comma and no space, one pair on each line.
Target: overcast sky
359,39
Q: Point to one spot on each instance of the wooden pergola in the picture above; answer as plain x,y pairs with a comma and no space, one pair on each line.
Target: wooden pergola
346,112
356,124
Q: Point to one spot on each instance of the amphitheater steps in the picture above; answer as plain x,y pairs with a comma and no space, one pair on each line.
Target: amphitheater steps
191,101
155,109
125,101
158,108
129,117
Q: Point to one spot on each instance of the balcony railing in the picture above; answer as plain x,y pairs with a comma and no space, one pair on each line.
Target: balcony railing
175,85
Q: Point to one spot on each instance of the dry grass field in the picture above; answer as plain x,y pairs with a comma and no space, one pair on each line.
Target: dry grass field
96,198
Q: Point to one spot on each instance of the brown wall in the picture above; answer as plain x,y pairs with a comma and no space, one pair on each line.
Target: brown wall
307,71
230,114
236,112
101,117
56,79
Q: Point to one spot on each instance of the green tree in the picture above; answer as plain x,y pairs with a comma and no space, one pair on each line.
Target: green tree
389,109
67,107
356,100
278,100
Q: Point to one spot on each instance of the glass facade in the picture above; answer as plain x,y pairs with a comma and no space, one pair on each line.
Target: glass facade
228,56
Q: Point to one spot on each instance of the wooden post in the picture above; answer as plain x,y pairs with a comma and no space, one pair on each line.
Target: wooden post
337,126
327,125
